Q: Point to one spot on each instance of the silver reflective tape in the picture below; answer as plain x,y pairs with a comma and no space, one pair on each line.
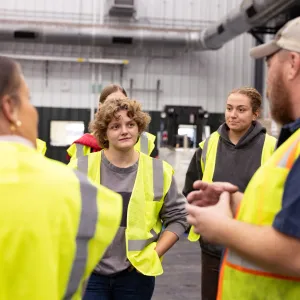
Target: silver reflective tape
139,245
79,150
204,152
284,159
158,179
83,164
144,143
86,231
235,259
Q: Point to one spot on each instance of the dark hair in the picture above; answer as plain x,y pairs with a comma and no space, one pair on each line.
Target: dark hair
252,94
109,89
10,79
108,111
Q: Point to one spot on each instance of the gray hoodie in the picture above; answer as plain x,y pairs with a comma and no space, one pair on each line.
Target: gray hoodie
234,163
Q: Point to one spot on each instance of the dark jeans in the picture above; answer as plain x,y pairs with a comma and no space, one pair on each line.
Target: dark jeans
127,285
209,276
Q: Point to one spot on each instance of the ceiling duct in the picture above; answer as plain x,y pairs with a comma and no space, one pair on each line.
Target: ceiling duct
249,14
103,35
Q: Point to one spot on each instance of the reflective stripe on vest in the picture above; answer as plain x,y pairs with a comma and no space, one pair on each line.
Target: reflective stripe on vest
236,260
158,179
144,143
86,231
285,161
232,257
79,150
204,152
83,164
208,160
208,156
268,149
262,201
152,183
158,190
139,245
158,174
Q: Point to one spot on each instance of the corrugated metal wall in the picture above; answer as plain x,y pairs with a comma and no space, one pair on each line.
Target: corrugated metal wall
187,78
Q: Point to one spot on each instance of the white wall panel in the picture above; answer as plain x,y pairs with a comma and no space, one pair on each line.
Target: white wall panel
199,78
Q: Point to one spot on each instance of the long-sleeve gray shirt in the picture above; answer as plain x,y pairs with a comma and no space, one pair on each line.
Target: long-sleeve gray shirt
121,180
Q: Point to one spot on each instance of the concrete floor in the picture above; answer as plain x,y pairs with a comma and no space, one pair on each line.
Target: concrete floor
181,278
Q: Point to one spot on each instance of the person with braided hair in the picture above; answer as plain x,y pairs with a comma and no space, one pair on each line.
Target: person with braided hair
233,153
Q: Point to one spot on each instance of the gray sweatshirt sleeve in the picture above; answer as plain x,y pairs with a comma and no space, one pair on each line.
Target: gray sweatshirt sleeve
173,213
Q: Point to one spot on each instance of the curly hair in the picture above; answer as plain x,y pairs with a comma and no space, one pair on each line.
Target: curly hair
252,94
109,89
108,111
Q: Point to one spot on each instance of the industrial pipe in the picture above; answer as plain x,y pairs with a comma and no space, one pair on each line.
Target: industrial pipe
249,14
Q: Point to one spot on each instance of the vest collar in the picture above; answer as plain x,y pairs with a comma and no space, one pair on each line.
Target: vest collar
16,139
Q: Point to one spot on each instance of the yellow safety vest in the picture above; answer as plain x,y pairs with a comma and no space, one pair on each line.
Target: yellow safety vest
240,278
54,226
145,145
208,161
144,225
41,146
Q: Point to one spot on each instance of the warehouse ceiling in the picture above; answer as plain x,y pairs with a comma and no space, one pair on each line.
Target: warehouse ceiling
251,13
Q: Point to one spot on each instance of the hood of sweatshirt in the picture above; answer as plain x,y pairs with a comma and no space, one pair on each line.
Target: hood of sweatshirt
88,140
255,130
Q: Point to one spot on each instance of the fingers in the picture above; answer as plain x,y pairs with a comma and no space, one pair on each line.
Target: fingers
224,199
194,215
224,204
191,220
226,186
200,185
193,211
194,196
230,187
201,198
200,203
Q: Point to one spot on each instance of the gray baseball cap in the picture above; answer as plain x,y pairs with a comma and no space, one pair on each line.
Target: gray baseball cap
288,38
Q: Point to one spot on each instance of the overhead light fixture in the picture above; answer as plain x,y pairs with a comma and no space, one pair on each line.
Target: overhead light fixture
110,61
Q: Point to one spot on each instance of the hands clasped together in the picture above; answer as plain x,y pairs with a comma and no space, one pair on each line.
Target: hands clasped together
211,206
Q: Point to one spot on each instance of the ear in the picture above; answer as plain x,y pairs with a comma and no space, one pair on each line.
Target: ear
255,115
140,130
9,109
294,65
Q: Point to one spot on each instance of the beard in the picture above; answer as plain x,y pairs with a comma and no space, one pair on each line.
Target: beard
280,107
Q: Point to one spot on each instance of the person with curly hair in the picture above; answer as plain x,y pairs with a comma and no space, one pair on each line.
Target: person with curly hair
151,201
88,143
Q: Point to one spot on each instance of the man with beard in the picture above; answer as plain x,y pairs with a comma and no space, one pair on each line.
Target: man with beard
262,260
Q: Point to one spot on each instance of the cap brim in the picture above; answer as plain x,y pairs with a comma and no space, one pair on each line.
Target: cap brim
264,50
